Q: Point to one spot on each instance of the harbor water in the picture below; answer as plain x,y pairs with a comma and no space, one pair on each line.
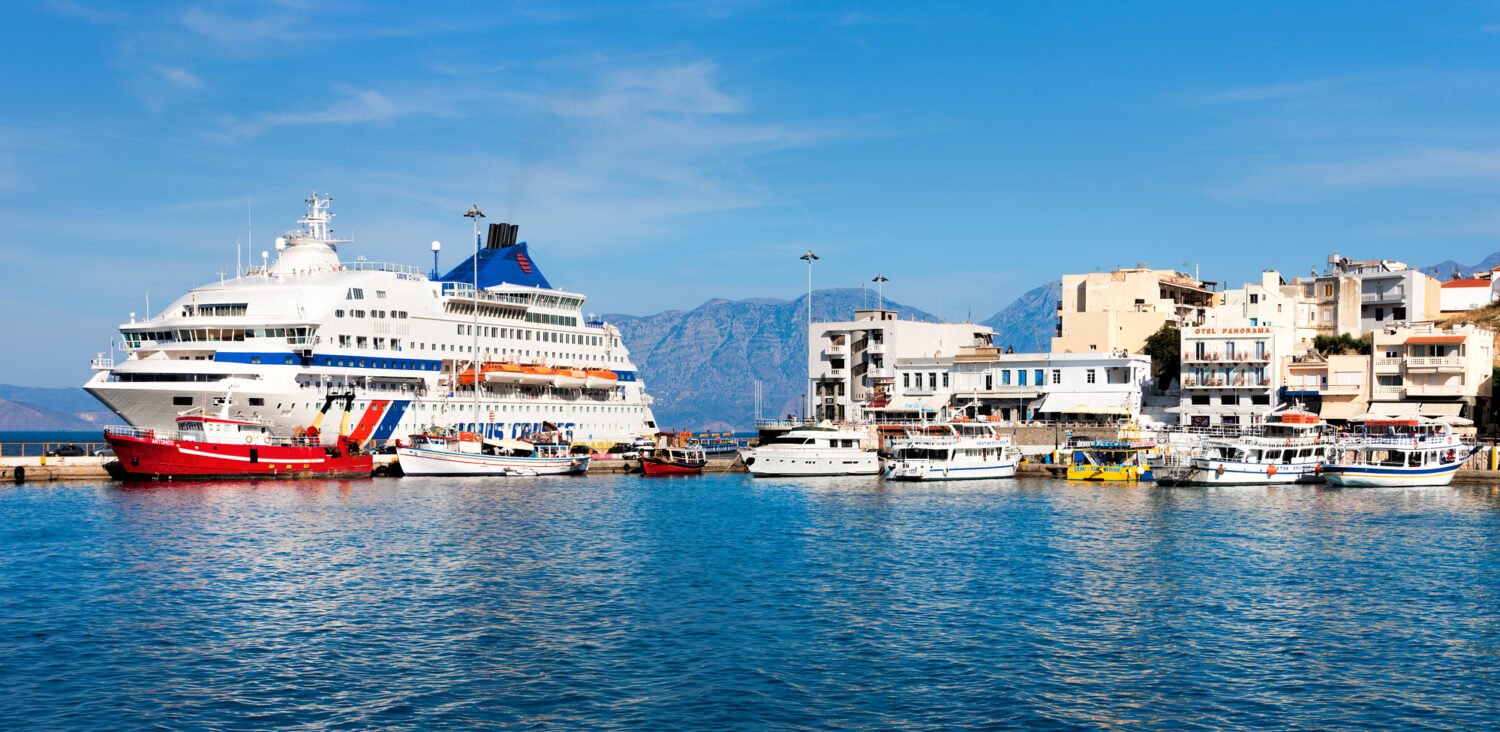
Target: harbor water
726,602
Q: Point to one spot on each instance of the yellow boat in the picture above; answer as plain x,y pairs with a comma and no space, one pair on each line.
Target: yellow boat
1115,461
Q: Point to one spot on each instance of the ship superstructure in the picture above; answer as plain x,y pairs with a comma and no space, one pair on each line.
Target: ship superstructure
274,340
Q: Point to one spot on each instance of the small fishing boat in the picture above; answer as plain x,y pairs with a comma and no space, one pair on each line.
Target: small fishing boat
206,447
1398,452
466,453
683,460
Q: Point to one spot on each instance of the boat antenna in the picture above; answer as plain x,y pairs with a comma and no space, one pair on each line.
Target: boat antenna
474,214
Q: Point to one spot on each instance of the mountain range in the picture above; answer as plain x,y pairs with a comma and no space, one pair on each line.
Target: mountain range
38,408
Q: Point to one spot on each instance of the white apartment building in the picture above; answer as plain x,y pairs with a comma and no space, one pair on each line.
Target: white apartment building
1468,293
1423,369
1231,364
852,363
1361,297
982,381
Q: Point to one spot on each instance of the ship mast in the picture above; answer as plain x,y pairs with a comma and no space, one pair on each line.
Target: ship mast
475,215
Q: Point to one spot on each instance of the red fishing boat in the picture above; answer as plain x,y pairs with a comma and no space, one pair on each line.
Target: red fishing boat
688,460
206,447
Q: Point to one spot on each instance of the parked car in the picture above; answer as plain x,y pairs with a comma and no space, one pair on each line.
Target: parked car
624,451
105,453
66,451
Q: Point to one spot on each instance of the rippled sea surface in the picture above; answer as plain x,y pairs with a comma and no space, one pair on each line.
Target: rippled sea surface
724,602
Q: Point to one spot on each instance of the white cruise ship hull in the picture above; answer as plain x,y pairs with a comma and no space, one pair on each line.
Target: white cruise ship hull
768,461
423,461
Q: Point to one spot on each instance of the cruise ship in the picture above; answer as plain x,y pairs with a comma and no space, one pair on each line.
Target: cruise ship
272,341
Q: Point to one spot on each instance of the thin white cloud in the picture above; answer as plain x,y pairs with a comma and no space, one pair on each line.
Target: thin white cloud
180,77
355,106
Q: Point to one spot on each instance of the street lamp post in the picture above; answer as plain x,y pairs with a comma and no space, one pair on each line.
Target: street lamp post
809,257
475,214
880,281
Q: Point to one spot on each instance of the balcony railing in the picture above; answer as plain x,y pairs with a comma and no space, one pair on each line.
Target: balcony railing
1392,295
1421,390
1435,362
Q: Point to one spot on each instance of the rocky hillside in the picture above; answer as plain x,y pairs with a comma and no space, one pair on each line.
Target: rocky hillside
701,364
1028,323
21,416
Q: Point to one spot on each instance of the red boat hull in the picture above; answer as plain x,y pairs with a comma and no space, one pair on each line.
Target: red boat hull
653,466
144,458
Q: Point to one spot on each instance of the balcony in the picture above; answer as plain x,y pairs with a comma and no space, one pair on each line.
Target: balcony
1395,294
1385,391
1434,390
833,374
1341,389
1238,382
1391,364
836,349
1435,363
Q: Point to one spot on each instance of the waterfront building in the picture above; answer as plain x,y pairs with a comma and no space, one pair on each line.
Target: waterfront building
1231,362
1431,371
1468,293
1337,386
852,363
1106,312
983,381
1361,297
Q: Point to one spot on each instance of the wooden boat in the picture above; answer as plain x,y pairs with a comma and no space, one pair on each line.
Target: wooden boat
686,460
1113,461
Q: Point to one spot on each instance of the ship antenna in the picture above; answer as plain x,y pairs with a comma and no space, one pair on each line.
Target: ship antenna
474,214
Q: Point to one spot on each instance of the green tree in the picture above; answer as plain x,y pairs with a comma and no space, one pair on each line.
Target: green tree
1165,349
1334,345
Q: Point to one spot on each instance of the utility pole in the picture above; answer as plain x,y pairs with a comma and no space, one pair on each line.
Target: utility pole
809,257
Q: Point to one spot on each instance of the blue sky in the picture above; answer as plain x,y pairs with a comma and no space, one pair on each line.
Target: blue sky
659,154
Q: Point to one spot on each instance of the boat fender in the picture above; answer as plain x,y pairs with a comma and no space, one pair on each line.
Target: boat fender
1270,470
1219,471
1317,468
20,474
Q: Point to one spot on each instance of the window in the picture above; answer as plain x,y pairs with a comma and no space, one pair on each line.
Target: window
1038,374
257,401
906,380
1327,290
989,381
945,379
380,294
182,401
338,313
1254,298
1057,376
1089,376
932,380
1398,313
1005,377
1021,377
1379,314
356,293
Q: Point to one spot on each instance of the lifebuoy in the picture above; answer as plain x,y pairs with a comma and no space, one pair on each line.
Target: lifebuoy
249,439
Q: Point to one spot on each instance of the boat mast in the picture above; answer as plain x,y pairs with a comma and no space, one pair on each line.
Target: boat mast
474,214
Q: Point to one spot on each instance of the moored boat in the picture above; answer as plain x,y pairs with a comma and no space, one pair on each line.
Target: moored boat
205,447
676,460
466,453
1398,452
812,450
952,451
1111,461
1290,448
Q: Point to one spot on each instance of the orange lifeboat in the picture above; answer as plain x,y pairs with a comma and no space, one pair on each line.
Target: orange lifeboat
569,378
600,379
503,373
536,375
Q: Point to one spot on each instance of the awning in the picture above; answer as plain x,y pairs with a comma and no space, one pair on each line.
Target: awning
1220,409
1394,409
1076,402
1435,340
1441,409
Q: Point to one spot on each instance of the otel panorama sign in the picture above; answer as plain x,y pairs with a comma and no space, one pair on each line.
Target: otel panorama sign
1230,331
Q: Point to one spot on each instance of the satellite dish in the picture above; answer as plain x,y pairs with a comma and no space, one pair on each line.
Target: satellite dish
280,243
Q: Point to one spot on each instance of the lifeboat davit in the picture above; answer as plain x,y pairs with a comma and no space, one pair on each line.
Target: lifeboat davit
570,378
600,379
503,373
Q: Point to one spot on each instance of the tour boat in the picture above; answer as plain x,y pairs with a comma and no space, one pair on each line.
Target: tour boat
684,460
1290,448
205,447
1398,452
820,450
952,451
466,453
1111,461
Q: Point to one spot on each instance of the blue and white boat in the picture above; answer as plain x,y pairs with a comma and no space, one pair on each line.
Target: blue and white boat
1398,452
1292,447
953,451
